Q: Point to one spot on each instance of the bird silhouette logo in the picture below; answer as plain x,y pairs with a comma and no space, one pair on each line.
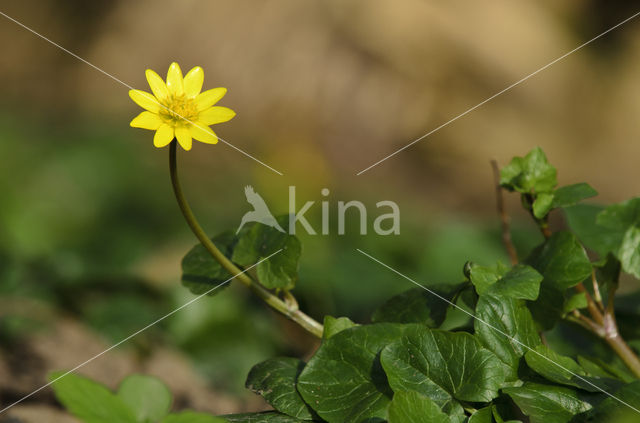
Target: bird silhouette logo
260,212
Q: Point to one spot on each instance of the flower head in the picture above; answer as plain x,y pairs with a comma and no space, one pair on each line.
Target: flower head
178,108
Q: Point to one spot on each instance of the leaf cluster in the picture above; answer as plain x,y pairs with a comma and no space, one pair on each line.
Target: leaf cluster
403,367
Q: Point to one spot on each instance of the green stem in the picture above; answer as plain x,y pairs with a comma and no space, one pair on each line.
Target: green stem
625,353
289,310
613,338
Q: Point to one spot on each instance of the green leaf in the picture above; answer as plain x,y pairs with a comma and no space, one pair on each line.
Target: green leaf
562,261
572,194
629,251
275,380
192,417
623,222
344,381
417,306
576,301
261,241
520,282
543,204
548,309
611,410
481,416
484,277
90,401
497,410
442,365
614,370
507,316
334,325
148,397
548,404
582,221
266,417
565,371
593,368
201,272
529,174
412,407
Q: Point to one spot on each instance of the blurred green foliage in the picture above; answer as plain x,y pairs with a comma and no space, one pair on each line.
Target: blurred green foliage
84,208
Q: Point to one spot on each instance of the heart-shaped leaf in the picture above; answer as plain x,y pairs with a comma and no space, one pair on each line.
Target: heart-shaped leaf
275,379
260,241
512,329
443,365
344,381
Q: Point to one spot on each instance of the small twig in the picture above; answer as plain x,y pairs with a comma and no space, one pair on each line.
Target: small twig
596,291
290,300
587,323
594,311
575,318
504,217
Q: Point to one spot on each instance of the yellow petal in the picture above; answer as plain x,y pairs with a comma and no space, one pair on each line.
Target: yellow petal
146,120
214,115
163,136
203,133
183,134
210,97
174,80
145,100
193,81
158,87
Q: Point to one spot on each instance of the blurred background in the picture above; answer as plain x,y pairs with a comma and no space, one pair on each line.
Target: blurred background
91,238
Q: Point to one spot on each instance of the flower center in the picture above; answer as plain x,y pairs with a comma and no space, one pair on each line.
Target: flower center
180,110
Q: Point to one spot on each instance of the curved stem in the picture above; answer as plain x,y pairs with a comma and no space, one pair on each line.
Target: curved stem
289,310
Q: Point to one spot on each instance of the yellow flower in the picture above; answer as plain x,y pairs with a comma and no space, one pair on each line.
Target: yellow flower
178,108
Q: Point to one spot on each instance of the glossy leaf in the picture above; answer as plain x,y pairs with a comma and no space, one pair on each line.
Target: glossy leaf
546,403
561,260
520,282
412,407
512,329
275,380
201,272
529,174
443,365
333,325
261,241
344,381
481,416
611,410
417,305
565,371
